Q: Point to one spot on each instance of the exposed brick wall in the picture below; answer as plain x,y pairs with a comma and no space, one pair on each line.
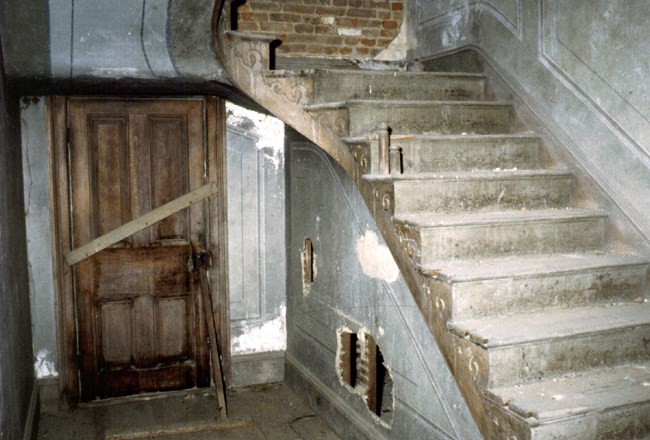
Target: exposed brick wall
351,29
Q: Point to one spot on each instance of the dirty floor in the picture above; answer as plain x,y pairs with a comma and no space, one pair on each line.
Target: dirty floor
268,412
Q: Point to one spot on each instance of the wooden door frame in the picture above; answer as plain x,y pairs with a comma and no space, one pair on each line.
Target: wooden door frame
215,144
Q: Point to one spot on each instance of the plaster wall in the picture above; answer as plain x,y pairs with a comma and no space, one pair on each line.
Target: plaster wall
256,238
144,39
357,286
580,70
17,390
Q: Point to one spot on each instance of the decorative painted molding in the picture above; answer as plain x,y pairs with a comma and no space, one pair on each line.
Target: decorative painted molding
513,23
554,54
293,89
493,7
156,50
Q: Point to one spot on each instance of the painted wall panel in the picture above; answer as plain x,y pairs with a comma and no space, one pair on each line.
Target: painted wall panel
357,286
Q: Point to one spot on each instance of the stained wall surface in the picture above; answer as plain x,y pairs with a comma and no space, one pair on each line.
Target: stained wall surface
357,287
16,372
580,68
256,239
81,39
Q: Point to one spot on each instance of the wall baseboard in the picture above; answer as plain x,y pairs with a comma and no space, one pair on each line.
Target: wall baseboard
31,422
256,368
337,411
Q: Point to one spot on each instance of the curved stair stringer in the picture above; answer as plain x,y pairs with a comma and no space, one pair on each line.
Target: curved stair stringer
246,59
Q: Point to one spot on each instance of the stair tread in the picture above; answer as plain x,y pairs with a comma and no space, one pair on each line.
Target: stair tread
386,73
400,102
404,73
447,137
487,217
470,175
594,391
527,265
504,331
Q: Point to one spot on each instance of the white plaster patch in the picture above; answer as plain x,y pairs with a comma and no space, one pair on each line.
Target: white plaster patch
452,34
268,131
376,260
397,49
328,20
349,32
43,366
268,336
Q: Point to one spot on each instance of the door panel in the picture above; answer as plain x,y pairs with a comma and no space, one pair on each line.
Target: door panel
140,321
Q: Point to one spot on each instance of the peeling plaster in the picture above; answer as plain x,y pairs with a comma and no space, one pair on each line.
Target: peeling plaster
268,130
269,336
398,48
43,366
375,259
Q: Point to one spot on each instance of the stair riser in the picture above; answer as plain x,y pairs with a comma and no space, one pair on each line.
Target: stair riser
629,422
430,156
525,363
484,241
481,299
438,195
434,118
341,86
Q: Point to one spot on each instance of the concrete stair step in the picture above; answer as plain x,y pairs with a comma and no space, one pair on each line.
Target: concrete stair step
487,190
468,152
417,117
439,153
532,346
528,283
340,85
599,404
476,235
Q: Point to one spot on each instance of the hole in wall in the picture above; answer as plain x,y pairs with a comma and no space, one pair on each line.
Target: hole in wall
363,371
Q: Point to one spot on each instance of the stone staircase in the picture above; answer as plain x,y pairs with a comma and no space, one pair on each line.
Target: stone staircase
544,324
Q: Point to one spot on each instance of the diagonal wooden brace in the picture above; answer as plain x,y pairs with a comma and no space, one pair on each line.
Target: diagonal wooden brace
138,224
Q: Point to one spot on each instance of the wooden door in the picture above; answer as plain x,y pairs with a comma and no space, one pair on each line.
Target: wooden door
139,313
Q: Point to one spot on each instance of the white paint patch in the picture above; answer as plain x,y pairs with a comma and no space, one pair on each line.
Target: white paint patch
376,260
268,336
328,20
397,49
349,32
43,366
268,131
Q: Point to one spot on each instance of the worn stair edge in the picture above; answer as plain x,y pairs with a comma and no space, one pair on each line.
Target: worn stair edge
530,285
400,73
551,324
472,137
495,174
433,220
392,103
526,266
588,392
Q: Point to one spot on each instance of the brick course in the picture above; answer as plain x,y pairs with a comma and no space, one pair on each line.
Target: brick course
350,29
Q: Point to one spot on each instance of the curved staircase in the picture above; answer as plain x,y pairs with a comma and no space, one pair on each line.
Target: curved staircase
545,326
